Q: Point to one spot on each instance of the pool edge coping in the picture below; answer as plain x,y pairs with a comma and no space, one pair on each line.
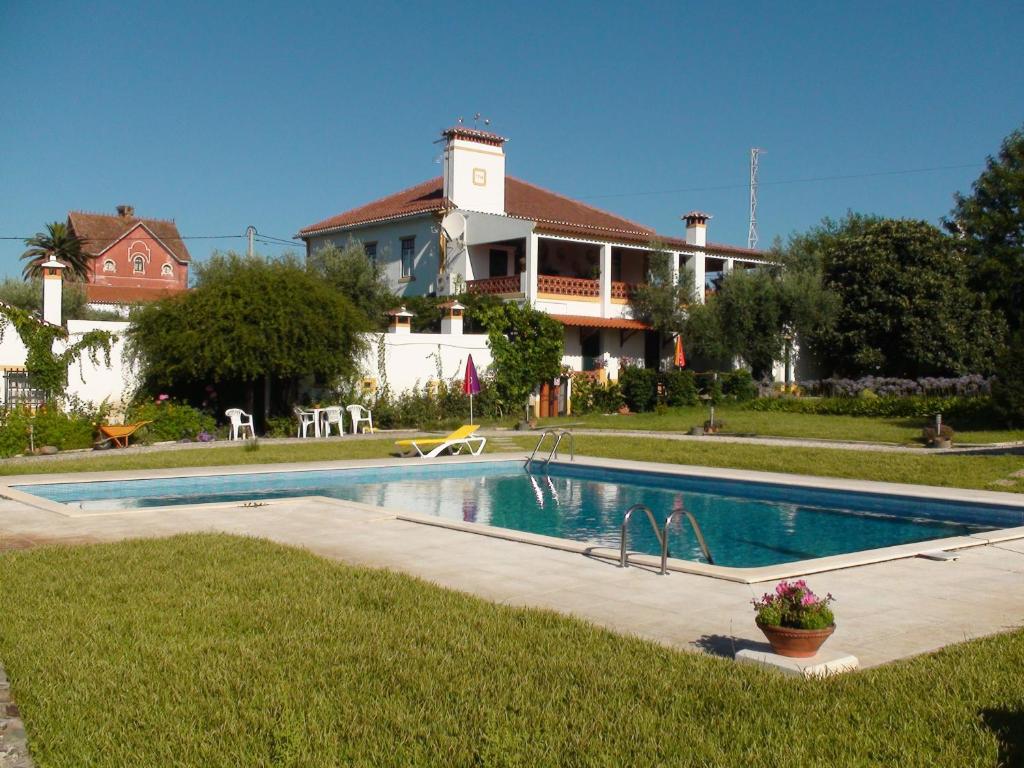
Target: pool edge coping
728,573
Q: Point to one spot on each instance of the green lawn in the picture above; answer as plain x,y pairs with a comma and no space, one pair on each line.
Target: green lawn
739,420
925,468
210,650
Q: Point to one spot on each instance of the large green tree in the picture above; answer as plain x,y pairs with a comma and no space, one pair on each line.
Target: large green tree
526,350
758,314
248,321
906,307
60,243
990,222
660,300
356,276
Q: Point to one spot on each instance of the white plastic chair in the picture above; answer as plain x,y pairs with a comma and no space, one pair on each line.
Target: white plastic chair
240,421
357,414
333,415
306,419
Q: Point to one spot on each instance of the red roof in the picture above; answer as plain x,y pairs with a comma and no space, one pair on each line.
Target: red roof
584,321
117,294
554,214
99,231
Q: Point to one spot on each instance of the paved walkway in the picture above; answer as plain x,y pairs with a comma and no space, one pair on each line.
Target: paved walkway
885,611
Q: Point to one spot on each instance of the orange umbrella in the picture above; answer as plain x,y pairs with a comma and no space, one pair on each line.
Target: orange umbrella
680,359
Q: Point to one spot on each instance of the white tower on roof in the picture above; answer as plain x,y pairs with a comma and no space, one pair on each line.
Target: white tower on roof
474,169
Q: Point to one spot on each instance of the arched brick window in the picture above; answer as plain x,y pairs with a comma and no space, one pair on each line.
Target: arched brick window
139,265
166,270
109,266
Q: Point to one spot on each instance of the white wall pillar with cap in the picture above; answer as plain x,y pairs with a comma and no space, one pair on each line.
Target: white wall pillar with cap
53,289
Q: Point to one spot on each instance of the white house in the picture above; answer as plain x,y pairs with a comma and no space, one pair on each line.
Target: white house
477,227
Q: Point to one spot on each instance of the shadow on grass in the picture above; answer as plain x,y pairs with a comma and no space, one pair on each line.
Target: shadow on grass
1008,726
727,646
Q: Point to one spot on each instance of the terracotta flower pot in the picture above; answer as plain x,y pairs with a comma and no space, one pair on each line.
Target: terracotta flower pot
795,643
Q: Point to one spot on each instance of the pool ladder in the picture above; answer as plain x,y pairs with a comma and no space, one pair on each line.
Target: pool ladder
558,434
662,534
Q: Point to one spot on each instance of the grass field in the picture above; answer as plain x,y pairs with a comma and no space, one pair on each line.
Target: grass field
739,420
209,650
960,471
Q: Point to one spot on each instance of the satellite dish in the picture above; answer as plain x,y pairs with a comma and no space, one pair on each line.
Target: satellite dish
454,226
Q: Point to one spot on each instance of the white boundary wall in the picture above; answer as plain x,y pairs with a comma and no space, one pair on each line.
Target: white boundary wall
114,383
411,359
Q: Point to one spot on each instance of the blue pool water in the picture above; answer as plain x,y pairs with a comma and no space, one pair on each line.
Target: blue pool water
746,524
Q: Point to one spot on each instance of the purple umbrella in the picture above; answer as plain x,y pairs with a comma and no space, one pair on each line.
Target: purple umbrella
470,384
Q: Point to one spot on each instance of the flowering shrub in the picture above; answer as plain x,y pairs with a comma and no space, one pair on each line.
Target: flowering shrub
170,420
794,605
977,409
972,385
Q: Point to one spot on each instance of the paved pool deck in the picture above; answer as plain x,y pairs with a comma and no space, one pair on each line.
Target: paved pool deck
886,610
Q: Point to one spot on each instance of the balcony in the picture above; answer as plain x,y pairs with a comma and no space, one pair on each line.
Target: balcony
495,286
577,288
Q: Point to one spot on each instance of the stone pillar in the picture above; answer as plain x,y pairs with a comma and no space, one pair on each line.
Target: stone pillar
606,280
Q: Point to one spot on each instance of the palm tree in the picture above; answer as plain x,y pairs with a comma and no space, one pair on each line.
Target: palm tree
60,243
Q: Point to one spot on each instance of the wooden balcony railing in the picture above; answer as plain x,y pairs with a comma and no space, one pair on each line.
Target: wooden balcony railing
494,285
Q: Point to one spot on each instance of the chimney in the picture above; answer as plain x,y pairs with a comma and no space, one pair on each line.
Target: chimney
401,320
696,227
126,211
451,320
474,169
53,287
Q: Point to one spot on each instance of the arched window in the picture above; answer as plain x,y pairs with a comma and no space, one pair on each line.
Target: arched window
109,266
139,265
166,270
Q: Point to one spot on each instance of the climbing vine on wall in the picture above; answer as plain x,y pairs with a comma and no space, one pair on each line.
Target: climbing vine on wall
47,369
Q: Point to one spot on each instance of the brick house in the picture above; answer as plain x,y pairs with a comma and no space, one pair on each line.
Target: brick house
133,259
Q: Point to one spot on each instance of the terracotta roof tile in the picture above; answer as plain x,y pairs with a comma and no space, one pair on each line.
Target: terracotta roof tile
99,230
554,214
421,198
118,294
584,321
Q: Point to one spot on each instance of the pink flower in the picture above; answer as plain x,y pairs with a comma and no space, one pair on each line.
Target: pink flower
161,398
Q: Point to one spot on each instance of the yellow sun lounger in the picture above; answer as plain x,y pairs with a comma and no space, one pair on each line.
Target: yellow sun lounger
461,438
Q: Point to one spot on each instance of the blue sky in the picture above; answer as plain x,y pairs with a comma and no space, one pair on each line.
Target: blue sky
221,115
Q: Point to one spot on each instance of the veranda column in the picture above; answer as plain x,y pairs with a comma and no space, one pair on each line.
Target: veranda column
698,275
606,280
675,267
529,276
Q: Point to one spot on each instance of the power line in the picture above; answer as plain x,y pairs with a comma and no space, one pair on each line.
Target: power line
135,237
807,180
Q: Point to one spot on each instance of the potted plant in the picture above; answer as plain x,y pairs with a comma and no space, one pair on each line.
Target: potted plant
794,619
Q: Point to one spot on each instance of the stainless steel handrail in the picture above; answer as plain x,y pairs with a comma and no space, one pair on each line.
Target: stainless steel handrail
624,530
558,433
558,441
696,530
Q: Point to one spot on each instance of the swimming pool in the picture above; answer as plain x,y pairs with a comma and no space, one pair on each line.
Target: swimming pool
746,524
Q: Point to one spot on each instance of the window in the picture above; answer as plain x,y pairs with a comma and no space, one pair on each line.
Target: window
138,265
370,249
408,253
109,266
19,390
166,270
498,258
617,266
